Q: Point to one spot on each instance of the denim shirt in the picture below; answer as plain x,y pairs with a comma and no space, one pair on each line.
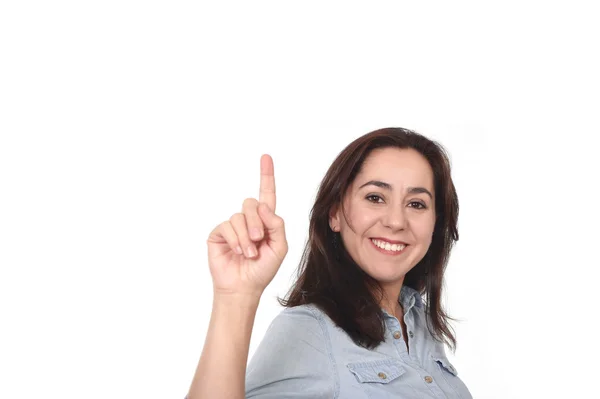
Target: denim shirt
305,355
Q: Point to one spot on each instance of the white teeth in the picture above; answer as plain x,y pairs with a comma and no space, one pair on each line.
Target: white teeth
387,246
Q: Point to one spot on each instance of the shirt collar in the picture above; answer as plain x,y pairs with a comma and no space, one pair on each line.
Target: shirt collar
408,298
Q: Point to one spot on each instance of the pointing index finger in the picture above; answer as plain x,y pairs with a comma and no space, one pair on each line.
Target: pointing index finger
267,182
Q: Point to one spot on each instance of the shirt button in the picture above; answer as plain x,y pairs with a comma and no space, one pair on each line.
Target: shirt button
382,376
397,334
428,379
410,334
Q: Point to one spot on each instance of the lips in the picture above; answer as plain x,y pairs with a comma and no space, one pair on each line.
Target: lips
387,247
390,241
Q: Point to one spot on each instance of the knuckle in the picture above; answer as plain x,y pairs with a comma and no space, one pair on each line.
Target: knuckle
250,202
237,217
221,228
279,221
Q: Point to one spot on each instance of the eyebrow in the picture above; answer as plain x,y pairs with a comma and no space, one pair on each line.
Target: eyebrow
387,186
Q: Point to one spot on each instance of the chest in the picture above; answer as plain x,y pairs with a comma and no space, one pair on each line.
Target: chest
404,329
404,334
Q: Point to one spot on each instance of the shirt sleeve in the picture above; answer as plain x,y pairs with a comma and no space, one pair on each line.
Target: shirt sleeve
294,359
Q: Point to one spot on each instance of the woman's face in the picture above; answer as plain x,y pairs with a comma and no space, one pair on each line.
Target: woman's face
390,202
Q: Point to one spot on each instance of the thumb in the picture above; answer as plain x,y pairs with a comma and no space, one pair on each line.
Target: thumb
274,225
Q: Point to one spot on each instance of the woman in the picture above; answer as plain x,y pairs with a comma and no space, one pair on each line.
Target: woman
355,324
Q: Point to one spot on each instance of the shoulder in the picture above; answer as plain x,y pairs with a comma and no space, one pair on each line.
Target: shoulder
302,311
306,320
308,313
296,328
293,356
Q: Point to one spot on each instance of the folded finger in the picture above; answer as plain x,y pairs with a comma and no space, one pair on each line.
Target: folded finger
238,222
256,228
224,232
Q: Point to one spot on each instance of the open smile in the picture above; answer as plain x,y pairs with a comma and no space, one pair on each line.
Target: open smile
387,248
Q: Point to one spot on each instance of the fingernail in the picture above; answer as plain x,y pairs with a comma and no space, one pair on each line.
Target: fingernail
255,233
238,250
252,251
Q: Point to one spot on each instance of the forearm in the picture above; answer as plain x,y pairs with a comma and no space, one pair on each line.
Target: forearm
221,370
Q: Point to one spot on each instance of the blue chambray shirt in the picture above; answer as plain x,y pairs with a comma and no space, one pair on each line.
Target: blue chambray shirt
305,355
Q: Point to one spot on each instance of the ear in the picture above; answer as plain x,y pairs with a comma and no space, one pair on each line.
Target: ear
334,218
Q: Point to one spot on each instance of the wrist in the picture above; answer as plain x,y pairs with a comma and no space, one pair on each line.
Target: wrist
237,298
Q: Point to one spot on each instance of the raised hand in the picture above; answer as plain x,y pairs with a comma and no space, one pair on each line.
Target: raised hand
245,252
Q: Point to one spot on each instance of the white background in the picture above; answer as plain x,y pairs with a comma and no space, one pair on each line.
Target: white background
129,129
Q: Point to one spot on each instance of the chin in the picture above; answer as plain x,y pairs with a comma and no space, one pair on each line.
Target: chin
389,274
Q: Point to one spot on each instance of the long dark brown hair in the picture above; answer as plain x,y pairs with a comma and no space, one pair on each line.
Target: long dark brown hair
328,276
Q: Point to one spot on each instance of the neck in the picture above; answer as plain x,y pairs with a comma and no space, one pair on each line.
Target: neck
391,295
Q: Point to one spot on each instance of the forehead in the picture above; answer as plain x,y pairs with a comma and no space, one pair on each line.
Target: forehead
397,166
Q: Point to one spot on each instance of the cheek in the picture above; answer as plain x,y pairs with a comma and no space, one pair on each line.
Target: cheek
423,229
363,221
427,240
358,218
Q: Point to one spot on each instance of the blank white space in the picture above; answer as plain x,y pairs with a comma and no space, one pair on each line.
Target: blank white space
130,129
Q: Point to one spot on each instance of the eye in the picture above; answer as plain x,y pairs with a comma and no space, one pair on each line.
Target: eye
374,198
419,205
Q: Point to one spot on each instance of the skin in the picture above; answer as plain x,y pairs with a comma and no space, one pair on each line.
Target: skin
393,213
241,264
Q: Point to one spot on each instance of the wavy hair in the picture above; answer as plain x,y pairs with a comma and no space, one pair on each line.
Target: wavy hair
328,277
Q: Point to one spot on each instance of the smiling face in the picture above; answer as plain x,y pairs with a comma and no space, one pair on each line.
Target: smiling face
388,205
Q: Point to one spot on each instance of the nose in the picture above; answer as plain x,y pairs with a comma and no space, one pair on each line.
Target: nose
395,218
